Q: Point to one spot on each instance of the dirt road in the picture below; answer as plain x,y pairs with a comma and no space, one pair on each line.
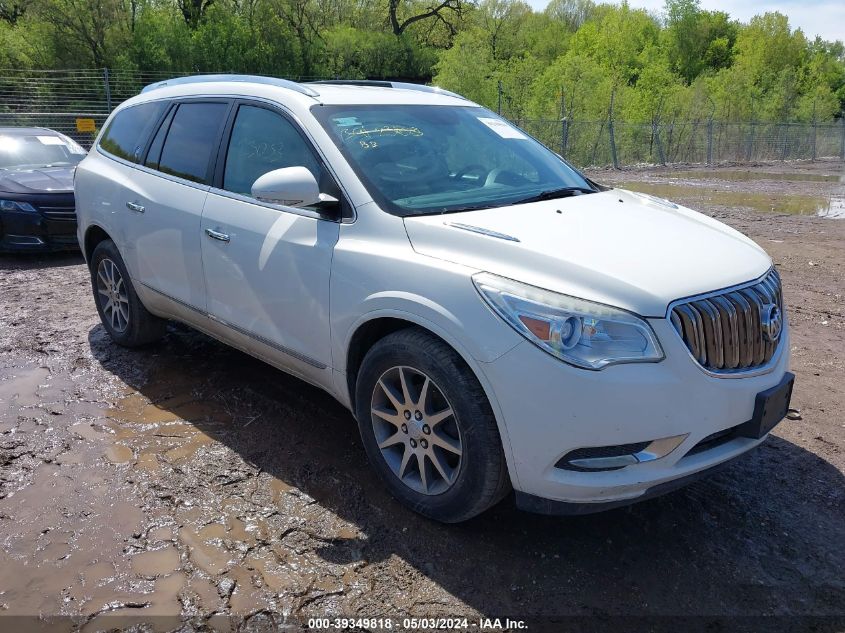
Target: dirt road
191,481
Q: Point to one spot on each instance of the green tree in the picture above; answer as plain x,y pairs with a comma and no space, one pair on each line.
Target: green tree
475,80
697,40
96,27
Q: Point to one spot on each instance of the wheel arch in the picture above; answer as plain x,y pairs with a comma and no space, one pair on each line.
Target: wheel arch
94,234
368,331
362,340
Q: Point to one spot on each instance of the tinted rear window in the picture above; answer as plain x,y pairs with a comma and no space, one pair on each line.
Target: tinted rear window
191,140
128,131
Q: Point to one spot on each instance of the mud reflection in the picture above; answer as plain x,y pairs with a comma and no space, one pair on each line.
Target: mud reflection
824,206
745,175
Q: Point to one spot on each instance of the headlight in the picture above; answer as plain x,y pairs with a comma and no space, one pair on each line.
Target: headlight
14,205
583,333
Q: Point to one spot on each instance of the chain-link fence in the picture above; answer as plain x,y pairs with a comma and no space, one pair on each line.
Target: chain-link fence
68,101
56,99
602,143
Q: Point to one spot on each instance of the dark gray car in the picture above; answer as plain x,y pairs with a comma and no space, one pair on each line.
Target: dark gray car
37,211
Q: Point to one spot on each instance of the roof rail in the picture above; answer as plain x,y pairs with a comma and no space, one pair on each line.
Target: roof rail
255,79
390,84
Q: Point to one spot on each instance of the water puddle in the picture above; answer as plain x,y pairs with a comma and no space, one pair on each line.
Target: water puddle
118,454
831,206
211,557
20,386
745,175
156,562
118,558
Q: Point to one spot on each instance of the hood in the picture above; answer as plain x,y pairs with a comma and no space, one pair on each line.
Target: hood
615,247
43,180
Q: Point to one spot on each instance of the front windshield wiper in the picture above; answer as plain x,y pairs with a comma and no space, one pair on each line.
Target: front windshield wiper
446,210
552,194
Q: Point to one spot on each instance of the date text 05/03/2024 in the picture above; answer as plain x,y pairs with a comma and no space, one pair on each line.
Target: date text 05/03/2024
443,624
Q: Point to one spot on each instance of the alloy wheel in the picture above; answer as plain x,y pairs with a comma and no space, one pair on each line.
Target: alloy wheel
416,430
113,297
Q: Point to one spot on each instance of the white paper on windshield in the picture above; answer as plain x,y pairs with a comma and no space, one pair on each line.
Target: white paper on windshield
502,128
50,140
347,121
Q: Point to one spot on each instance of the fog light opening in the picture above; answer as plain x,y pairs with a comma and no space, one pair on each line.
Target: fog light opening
603,458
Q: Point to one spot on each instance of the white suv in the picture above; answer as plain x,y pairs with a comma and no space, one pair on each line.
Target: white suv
492,318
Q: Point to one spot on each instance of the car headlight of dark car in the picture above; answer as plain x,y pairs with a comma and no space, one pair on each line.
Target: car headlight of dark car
16,205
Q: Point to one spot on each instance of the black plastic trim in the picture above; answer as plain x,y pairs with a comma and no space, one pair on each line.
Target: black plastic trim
539,505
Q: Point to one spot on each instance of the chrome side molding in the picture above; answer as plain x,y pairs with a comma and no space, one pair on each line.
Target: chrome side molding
482,231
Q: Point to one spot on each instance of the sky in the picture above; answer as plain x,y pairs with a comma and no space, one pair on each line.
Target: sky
814,17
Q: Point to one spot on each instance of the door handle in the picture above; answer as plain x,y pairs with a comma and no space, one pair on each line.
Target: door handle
217,235
137,208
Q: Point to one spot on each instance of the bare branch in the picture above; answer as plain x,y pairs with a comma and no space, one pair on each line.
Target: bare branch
453,6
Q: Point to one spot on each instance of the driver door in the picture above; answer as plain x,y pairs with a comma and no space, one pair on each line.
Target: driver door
267,267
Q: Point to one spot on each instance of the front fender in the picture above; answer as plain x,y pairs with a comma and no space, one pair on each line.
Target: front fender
441,322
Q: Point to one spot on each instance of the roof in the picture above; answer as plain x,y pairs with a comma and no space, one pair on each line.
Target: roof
27,131
328,92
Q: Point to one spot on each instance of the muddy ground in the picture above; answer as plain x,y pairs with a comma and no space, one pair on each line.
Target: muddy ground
189,480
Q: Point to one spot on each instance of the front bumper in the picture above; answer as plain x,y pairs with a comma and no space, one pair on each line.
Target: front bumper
52,228
549,409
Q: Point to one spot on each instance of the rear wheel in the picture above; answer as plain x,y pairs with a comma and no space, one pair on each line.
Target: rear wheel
123,315
428,429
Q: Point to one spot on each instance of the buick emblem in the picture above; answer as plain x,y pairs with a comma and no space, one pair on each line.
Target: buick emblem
771,321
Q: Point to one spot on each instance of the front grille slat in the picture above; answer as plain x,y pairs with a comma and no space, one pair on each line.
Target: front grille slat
745,327
724,331
756,338
730,331
58,213
712,333
693,331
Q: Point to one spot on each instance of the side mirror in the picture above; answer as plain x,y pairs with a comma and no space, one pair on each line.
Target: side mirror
289,186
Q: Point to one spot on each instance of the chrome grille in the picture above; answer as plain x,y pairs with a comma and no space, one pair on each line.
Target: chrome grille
58,213
724,331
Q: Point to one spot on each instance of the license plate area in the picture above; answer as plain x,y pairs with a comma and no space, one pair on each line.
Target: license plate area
770,407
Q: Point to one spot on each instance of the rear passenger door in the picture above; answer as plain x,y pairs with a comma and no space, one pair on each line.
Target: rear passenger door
266,266
167,197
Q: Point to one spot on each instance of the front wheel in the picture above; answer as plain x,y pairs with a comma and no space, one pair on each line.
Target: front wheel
123,315
428,428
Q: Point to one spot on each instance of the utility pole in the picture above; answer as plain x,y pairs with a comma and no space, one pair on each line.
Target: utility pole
499,109
107,85
710,141
842,148
611,131
815,131
563,124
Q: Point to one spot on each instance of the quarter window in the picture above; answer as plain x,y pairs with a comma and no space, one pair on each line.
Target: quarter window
191,139
262,141
127,133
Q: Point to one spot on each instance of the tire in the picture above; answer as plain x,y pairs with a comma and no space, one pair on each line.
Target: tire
131,325
466,484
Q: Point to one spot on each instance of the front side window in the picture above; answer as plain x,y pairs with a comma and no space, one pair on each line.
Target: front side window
127,132
39,149
423,159
191,139
262,141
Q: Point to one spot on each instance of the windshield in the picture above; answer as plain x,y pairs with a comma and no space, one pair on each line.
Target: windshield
38,150
423,159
